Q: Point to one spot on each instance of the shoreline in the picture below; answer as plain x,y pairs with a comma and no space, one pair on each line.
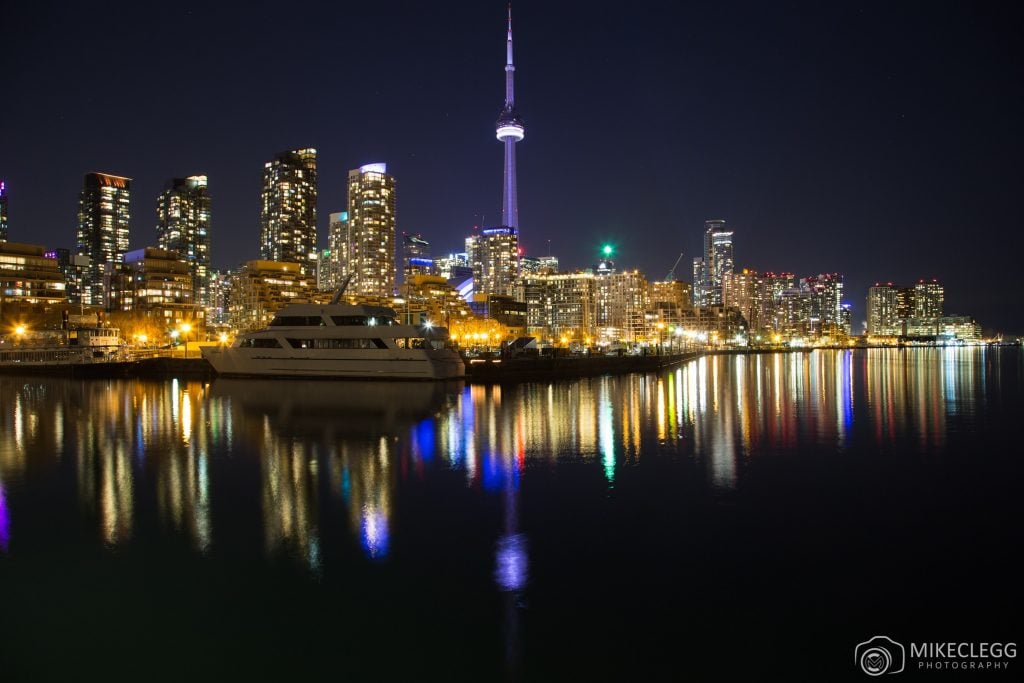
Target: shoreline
478,370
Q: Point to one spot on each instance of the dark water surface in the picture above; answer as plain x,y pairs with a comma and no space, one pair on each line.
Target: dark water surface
753,515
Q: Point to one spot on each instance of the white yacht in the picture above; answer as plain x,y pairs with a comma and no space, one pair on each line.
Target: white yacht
339,341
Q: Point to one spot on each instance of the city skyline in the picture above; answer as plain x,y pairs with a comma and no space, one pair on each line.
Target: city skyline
804,190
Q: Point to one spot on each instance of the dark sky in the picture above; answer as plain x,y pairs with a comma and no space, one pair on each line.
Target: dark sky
880,140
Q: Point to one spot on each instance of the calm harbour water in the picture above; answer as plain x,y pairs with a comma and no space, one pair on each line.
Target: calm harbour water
758,514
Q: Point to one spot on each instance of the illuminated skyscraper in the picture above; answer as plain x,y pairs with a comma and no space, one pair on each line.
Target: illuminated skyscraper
183,226
288,216
716,263
103,218
929,298
826,295
454,266
3,211
494,255
883,310
510,130
416,256
332,260
369,243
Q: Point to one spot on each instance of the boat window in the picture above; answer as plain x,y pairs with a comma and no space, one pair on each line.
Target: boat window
362,343
346,320
297,321
260,343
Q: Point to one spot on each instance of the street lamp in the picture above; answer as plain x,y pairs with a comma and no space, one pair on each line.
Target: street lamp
185,329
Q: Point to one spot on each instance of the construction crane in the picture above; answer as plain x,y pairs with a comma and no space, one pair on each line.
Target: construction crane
672,273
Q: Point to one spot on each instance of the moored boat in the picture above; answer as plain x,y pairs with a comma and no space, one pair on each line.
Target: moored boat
340,341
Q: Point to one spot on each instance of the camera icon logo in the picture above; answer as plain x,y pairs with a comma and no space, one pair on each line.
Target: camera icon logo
880,655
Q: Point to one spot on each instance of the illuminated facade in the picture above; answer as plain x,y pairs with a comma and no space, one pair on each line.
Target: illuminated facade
494,255
368,246
261,288
883,311
454,266
416,256
826,295
929,298
560,305
183,226
621,303
74,268
288,214
103,217
721,324
158,284
710,271
532,265
430,297
330,270
509,129
220,298
669,301
905,311
28,275
3,211
747,291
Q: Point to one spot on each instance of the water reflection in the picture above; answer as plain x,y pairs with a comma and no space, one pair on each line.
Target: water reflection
126,444
5,520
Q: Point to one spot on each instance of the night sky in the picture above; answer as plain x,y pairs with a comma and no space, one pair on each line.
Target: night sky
880,140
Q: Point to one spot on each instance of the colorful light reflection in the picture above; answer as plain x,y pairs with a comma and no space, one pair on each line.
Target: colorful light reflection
5,521
510,572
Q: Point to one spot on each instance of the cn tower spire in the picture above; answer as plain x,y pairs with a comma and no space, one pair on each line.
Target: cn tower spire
509,68
510,130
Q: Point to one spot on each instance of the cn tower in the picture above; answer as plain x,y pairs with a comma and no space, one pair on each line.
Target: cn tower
510,130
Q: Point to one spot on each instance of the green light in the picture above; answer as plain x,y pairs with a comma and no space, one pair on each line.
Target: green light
607,250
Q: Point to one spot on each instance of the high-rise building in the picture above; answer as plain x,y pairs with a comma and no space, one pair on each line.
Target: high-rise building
747,291
323,270
826,294
929,298
669,299
259,289
103,217
74,269
560,305
698,281
494,254
883,310
416,256
369,242
183,226
3,211
288,215
538,264
332,268
510,130
718,261
220,298
29,276
621,301
158,284
454,266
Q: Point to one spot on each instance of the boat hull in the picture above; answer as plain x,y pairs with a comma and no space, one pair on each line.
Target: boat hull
383,364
